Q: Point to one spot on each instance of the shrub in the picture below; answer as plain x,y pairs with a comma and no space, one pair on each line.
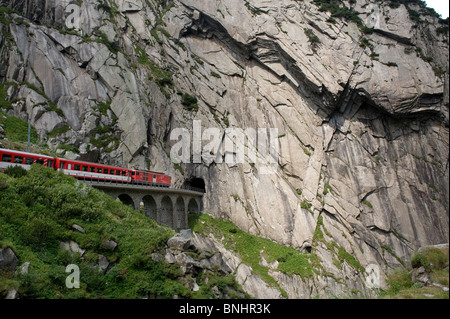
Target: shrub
15,171
398,280
420,260
189,101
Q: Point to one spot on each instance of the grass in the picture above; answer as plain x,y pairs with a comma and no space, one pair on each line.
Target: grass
401,285
250,248
36,213
16,130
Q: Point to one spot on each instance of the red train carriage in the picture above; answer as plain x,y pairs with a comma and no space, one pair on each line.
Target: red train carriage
23,159
147,177
82,170
85,170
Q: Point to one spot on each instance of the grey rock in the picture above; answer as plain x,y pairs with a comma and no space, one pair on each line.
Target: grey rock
8,259
72,246
25,268
78,228
12,295
157,257
102,264
181,241
350,138
110,245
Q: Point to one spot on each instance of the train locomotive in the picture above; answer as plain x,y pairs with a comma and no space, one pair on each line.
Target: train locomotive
83,170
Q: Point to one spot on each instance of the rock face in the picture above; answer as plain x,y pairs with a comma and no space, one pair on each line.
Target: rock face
362,109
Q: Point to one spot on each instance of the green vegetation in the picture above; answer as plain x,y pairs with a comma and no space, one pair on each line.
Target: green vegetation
162,78
252,248
16,130
103,38
103,136
189,102
368,204
313,39
4,104
400,282
341,255
338,9
36,214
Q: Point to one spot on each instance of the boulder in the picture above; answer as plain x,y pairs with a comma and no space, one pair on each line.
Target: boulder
72,246
420,275
12,294
110,245
78,228
8,260
182,241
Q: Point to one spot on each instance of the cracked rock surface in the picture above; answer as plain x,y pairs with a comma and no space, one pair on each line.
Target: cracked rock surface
362,117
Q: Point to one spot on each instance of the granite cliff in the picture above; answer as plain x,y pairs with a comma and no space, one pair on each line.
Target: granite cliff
358,90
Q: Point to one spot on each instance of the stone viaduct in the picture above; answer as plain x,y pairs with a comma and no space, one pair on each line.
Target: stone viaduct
168,206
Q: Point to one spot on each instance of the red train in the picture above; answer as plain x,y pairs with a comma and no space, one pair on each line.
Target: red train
83,170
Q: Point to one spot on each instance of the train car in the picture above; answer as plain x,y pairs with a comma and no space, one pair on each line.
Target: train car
151,178
91,171
23,159
83,170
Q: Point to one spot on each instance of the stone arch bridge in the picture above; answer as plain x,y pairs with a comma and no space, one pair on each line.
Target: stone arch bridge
168,206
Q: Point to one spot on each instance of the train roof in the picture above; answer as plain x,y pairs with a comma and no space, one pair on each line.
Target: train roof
26,153
77,161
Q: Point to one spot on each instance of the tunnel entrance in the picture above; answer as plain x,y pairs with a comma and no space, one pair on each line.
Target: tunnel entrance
197,183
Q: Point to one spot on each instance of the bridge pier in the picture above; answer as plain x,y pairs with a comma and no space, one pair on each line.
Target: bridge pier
169,207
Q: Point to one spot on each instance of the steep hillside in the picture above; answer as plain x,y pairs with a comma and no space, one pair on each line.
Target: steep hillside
358,91
49,222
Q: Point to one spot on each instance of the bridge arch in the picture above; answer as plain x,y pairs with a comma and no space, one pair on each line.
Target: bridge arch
166,211
193,206
180,213
150,207
127,200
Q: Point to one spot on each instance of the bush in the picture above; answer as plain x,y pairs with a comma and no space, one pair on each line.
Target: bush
15,171
436,258
398,280
189,101
420,260
39,233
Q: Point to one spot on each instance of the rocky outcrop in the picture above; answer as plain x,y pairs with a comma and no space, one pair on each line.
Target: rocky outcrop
361,109
8,260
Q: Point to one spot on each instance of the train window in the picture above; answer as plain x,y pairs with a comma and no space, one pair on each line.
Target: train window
40,161
61,165
99,170
112,172
85,168
105,171
50,163
18,160
124,173
6,158
133,173
29,161
77,167
118,173
92,169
